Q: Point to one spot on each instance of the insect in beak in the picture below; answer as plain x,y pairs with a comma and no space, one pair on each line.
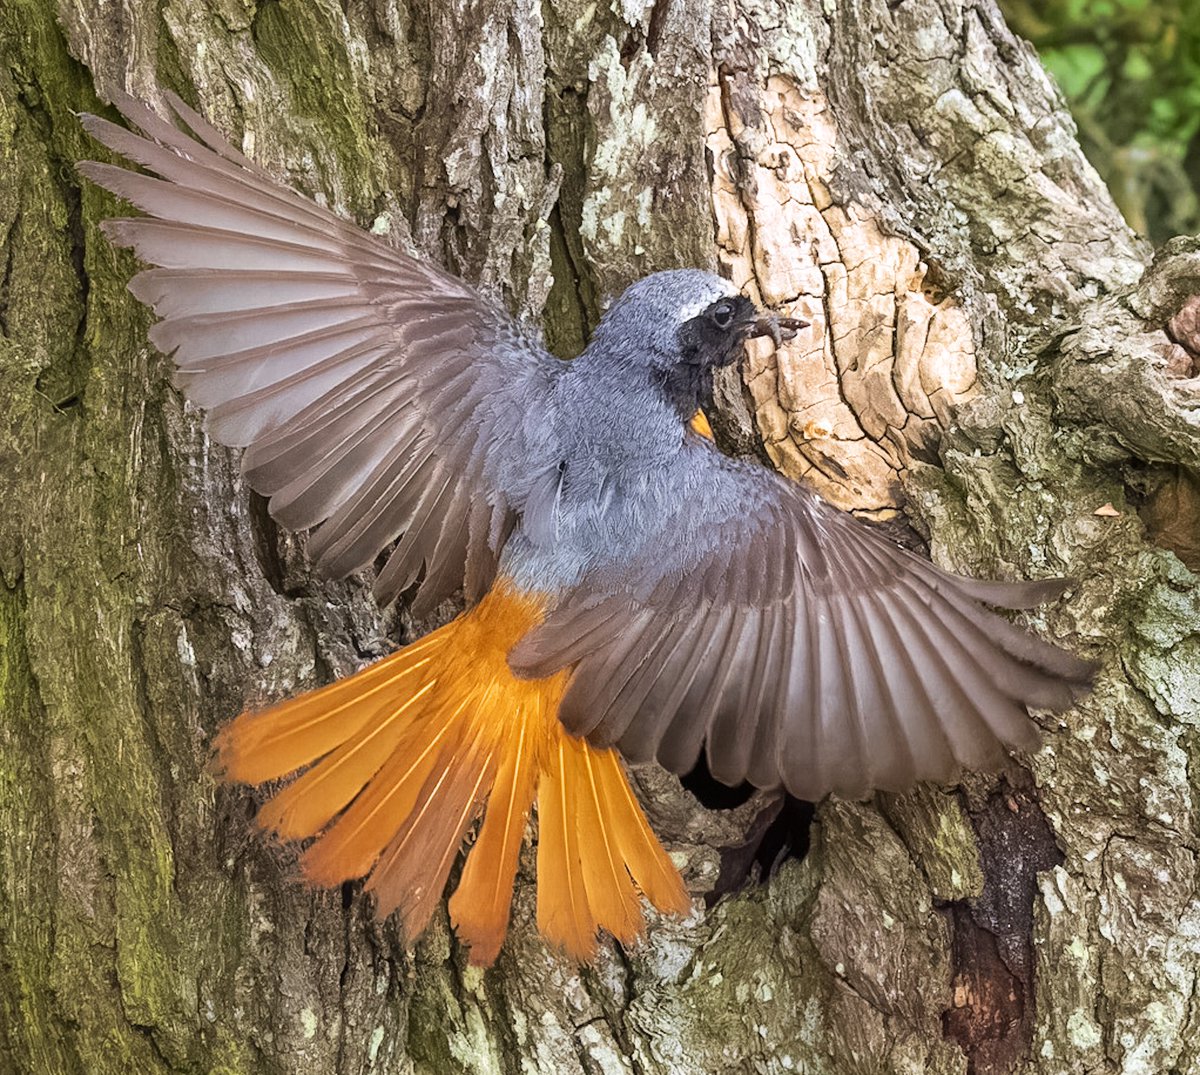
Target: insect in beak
778,328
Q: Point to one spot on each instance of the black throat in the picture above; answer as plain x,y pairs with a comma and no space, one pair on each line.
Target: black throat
687,387
705,344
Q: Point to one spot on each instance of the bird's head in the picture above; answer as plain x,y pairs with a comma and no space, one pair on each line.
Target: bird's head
685,321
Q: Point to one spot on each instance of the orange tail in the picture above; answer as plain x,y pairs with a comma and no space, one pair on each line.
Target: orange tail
404,756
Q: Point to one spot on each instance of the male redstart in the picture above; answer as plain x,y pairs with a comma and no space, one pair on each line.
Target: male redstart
630,590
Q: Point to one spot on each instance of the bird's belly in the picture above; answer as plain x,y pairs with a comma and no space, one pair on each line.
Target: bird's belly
583,540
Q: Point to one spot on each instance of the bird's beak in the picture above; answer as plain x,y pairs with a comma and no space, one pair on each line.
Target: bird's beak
778,328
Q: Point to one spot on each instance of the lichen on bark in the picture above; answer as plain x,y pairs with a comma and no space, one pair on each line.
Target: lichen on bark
1045,920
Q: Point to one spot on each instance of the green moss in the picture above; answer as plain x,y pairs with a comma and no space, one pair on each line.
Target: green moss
43,363
42,292
572,308
89,904
565,318
939,835
434,1017
305,43
1164,658
31,1039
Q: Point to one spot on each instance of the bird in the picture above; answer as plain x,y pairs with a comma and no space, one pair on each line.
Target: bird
632,594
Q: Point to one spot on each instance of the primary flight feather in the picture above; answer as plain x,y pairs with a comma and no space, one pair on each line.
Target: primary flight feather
630,589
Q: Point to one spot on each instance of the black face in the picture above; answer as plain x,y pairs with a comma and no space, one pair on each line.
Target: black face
710,340
715,337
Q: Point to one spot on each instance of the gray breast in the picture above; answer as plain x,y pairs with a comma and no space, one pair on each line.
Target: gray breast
621,469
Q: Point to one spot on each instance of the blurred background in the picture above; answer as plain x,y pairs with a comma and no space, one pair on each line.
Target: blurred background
1130,70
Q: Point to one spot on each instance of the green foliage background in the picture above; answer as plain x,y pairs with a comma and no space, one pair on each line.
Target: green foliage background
1130,70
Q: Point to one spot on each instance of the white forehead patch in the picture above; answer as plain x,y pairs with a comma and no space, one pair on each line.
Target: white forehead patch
725,290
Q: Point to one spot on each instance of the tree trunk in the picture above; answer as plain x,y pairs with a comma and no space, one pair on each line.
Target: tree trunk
991,354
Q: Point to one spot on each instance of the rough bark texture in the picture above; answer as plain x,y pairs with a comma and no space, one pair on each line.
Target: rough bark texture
904,173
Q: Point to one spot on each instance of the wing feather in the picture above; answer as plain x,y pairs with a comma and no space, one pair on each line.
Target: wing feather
684,737
798,646
175,293
364,383
763,761
677,644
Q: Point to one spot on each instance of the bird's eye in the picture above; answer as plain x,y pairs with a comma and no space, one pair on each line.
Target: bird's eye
722,315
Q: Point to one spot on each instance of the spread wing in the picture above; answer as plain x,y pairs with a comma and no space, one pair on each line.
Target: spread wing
376,394
799,645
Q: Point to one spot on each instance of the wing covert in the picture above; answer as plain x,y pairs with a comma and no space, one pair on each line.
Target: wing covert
376,395
798,646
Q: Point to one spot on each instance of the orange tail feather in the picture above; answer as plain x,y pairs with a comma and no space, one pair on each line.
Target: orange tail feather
274,742
307,805
610,888
412,871
643,855
564,913
480,905
404,756
350,847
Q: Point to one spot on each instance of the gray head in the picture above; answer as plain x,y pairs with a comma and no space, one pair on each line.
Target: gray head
678,326
644,324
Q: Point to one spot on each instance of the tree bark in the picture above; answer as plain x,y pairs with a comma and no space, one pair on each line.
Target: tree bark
993,353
